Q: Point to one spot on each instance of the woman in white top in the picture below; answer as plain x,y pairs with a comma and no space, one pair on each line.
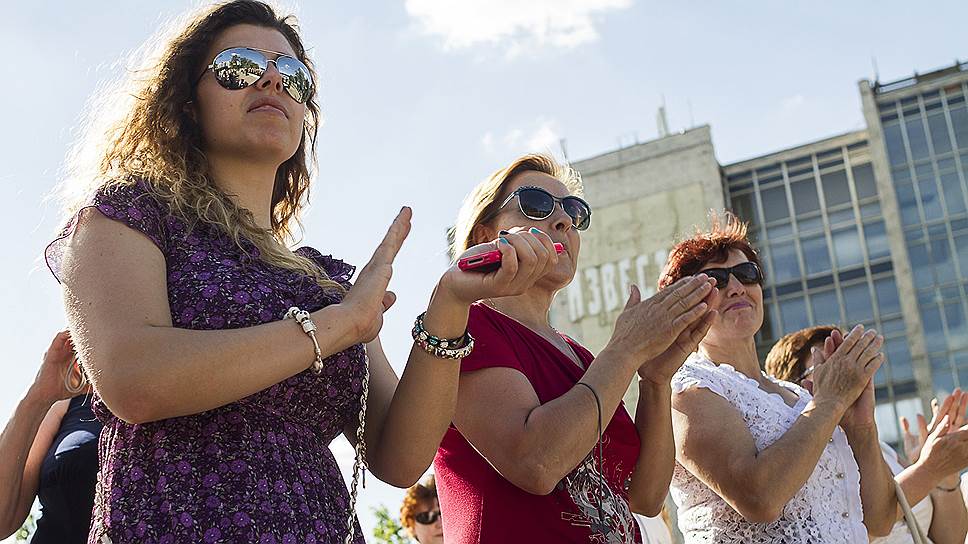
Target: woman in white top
760,460
937,454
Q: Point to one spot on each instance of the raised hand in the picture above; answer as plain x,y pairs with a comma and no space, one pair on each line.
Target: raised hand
57,362
369,298
945,451
647,329
526,256
661,368
846,375
953,406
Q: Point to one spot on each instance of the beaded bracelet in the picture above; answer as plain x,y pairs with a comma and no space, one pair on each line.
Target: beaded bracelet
309,327
455,348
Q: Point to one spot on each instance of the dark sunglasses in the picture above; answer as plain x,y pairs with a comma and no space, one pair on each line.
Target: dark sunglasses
747,273
426,518
238,67
536,203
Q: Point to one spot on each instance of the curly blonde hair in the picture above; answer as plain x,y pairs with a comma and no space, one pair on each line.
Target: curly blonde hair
145,131
417,496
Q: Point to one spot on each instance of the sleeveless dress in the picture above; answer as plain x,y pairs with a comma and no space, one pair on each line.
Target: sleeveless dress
827,509
258,469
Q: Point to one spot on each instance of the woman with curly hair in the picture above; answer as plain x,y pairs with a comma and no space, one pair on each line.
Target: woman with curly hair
420,513
224,362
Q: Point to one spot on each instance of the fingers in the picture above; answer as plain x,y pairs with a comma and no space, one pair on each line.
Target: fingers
528,260
635,296
838,337
872,350
690,316
942,429
829,347
960,416
388,299
905,425
851,339
923,427
688,296
857,351
387,251
509,262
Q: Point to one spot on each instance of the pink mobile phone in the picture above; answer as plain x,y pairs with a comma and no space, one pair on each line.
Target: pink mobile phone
490,261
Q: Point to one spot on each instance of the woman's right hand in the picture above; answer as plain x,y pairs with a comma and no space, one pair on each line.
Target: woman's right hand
49,382
366,301
842,376
646,329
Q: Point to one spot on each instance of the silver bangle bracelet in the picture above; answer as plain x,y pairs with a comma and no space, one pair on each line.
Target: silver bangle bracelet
305,319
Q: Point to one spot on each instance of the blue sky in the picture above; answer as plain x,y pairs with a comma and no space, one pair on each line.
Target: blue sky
423,98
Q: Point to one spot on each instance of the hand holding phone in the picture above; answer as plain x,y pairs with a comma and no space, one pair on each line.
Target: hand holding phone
490,261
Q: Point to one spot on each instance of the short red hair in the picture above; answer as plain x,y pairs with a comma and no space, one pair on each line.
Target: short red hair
687,258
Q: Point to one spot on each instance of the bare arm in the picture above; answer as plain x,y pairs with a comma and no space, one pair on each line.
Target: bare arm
535,445
714,444
406,420
29,433
876,480
144,368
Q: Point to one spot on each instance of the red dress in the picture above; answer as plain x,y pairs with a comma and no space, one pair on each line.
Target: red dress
480,506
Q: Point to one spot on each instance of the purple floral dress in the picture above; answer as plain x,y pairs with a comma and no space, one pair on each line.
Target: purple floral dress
257,470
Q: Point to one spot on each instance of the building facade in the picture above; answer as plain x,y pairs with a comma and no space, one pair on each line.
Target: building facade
866,227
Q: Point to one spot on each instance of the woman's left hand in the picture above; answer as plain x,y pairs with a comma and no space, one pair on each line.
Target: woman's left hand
861,412
954,406
526,256
661,369
49,382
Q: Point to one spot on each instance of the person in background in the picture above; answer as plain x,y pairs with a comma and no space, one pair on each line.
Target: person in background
930,478
420,513
48,451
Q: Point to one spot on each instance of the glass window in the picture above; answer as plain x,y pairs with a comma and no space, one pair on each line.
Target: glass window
899,357
785,265
780,231
959,121
895,145
816,258
775,204
841,216
864,181
961,245
744,206
939,132
857,303
835,189
872,209
887,299
933,331
930,202
916,139
892,326
794,313
826,309
847,247
920,264
908,204
954,316
810,224
876,237
805,199
941,257
954,200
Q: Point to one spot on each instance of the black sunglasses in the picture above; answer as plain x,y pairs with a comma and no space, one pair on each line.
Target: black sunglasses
747,273
238,67
537,203
426,518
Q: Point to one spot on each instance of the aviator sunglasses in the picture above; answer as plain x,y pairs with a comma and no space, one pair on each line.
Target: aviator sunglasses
747,273
238,67
536,203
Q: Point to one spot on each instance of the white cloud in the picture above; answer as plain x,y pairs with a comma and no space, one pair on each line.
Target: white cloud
542,136
792,103
511,24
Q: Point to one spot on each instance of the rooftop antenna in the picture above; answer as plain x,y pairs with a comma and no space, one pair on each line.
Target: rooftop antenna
562,142
877,76
662,122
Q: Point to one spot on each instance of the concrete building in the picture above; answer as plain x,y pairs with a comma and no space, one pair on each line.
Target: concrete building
865,227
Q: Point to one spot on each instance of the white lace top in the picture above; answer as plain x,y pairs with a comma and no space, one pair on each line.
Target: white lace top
826,509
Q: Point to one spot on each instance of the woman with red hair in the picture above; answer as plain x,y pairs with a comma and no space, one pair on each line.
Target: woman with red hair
759,459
